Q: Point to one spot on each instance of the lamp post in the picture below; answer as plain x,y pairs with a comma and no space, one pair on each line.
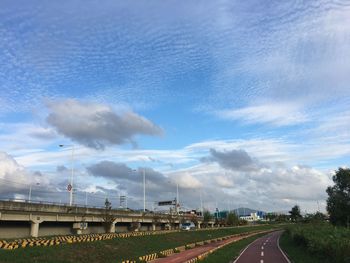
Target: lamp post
144,190
70,185
30,193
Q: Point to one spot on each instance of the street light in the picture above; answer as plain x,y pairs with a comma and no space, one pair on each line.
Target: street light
70,185
144,190
30,193
144,187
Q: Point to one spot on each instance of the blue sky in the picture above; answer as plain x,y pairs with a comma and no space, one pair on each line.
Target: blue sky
166,86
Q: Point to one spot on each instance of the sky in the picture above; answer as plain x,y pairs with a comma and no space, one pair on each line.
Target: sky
238,103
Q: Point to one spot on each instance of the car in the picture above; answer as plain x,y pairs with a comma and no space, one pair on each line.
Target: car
187,226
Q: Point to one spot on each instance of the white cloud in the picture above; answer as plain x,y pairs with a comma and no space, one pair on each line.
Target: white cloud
97,125
277,114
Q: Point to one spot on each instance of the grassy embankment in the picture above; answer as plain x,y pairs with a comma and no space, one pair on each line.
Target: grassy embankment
116,250
316,243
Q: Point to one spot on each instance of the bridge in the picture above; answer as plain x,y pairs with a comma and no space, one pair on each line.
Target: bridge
24,219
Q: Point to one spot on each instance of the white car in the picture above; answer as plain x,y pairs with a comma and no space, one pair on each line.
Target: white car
187,226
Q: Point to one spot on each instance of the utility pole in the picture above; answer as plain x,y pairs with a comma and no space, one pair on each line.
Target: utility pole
200,196
70,187
177,193
144,190
30,193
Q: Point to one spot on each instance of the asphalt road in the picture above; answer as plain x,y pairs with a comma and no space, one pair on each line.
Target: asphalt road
264,250
193,253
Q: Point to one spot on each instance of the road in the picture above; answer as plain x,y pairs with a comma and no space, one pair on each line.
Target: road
264,250
195,252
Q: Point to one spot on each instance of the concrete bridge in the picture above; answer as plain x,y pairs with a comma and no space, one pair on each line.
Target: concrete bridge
23,219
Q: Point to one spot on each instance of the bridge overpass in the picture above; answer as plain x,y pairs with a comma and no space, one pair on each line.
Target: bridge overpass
23,219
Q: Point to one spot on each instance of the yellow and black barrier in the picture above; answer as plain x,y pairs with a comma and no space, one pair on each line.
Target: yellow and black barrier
148,257
166,253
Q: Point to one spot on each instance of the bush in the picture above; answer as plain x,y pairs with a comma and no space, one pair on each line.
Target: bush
323,239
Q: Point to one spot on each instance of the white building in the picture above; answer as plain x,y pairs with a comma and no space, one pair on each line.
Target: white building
253,217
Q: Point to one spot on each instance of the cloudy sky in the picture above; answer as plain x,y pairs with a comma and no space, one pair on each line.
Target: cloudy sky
241,103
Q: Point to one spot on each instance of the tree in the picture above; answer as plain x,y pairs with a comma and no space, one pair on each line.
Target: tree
232,219
207,217
295,213
194,219
338,202
108,217
318,217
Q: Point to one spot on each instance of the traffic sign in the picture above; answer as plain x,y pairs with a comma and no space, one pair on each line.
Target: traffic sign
166,203
69,187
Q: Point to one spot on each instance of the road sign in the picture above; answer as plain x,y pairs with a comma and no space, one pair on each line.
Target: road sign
69,187
163,203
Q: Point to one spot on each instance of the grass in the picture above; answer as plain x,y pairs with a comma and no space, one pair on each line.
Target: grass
115,250
231,251
323,240
297,253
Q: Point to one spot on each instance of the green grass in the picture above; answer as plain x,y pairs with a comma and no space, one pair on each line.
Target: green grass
297,253
231,251
323,240
115,250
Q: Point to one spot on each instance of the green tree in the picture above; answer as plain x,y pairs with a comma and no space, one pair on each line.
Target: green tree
232,219
295,213
108,216
207,217
338,202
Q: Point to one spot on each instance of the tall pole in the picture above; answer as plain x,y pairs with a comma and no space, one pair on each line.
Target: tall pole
200,197
71,190
71,180
30,193
86,195
177,193
144,190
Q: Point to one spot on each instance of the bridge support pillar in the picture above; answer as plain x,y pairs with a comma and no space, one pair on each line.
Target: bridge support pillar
34,228
212,225
154,227
112,227
199,225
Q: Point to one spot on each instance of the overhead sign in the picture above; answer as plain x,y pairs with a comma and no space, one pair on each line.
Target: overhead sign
163,203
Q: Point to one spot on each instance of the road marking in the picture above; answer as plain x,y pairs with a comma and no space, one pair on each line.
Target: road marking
246,249
261,261
278,245
262,253
262,247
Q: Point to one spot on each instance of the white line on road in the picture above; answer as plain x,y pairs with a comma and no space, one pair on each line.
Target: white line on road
278,245
261,261
262,247
262,253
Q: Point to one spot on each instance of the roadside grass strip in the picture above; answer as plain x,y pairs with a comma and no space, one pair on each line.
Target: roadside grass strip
320,240
54,241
